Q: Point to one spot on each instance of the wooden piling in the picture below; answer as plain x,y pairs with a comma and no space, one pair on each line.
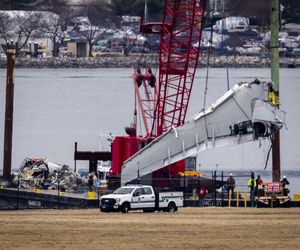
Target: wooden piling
9,108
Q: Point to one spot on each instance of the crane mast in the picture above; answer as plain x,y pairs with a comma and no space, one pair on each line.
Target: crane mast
178,59
180,36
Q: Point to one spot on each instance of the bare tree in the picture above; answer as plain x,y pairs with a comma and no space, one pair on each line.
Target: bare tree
19,27
6,26
291,11
92,34
26,25
55,28
56,6
99,13
31,5
100,17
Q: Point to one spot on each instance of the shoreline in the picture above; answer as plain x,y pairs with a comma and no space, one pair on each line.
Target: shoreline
120,61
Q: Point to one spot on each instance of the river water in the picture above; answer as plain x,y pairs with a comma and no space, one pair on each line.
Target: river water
54,108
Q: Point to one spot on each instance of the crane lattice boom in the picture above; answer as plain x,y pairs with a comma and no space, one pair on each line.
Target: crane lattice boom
180,39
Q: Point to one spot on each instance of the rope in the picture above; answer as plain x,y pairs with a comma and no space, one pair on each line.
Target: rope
226,55
141,57
139,119
268,154
227,71
206,79
241,108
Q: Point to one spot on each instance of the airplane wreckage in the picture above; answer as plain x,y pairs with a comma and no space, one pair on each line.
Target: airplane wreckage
242,114
41,173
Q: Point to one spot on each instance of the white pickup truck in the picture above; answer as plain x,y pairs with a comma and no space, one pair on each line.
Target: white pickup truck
140,197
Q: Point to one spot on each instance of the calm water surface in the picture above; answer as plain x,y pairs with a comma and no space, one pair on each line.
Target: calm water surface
56,107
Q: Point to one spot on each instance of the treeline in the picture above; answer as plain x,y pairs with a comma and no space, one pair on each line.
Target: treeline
290,10
103,14
98,7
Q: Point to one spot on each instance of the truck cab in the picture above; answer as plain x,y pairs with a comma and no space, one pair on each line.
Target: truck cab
143,197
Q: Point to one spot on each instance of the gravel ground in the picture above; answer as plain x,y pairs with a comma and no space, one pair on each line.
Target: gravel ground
189,228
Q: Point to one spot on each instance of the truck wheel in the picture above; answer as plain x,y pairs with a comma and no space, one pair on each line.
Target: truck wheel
172,207
125,208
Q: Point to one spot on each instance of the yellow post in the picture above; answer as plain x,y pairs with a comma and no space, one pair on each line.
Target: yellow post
91,195
245,199
229,198
296,197
237,198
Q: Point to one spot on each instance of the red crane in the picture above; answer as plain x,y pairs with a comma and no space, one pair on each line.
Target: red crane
164,103
180,36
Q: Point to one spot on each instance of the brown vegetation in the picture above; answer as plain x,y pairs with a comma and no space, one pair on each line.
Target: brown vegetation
190,228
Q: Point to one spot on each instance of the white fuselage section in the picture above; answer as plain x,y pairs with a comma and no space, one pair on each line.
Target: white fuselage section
241,115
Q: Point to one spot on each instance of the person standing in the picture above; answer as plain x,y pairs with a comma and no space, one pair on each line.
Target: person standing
252,186
285,185
259,183
230,185
202,194
91,183
284,181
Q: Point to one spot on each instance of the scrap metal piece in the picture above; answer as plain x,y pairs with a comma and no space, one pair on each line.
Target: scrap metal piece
41,173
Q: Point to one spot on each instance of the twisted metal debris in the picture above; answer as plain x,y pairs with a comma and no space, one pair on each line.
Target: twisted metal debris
41,173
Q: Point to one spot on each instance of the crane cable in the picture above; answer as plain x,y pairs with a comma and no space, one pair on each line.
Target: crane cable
269,151
224,28
206,79
142,61
268,156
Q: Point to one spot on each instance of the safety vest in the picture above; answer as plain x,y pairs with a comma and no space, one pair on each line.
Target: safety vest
250,183
273,98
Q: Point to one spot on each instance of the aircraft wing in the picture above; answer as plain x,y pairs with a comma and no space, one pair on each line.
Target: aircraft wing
242,114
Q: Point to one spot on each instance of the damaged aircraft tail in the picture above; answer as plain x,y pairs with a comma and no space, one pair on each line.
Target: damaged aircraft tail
243,114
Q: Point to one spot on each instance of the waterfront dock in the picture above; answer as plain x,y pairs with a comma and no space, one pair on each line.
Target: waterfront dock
12,198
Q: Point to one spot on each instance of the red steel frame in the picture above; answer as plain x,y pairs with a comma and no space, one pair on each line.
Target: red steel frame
178,58
147,100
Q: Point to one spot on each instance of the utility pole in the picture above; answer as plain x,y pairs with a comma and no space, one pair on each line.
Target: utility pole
9,108
146,11
275,80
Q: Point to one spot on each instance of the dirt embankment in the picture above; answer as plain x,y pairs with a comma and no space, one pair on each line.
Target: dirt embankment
190,228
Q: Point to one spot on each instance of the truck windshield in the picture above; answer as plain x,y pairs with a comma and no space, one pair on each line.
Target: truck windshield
123,190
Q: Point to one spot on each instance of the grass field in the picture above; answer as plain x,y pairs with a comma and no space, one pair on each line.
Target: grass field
189,228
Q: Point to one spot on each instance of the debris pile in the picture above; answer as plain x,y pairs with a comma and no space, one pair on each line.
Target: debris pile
41,173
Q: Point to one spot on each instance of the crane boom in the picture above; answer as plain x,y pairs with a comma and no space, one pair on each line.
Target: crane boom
178,60
180,36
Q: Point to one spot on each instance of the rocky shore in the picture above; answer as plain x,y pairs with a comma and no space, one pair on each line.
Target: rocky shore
120,61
